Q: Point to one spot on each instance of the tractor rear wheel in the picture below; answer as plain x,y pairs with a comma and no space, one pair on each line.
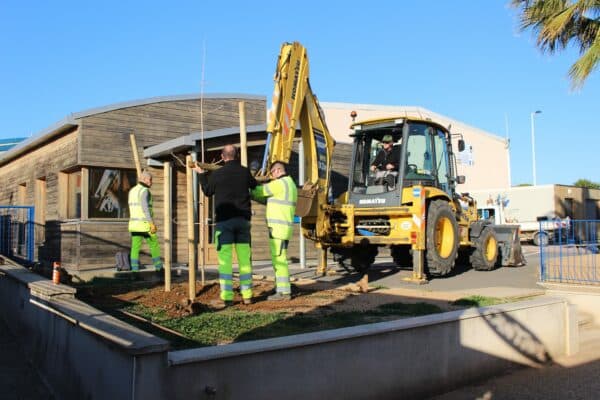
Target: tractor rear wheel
441,238
485,253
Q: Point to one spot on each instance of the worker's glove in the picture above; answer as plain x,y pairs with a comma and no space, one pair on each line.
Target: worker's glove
153,228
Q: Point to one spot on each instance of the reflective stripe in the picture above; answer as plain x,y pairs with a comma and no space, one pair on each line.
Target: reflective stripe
227,287
286,190
138,219
282,202
134,204
245,286
279,222
268,190
225,277
283,279
245,277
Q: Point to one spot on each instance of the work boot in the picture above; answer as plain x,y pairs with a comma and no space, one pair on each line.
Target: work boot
220,304
279,296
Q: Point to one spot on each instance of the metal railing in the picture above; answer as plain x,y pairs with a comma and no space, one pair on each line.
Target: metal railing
571,255
17,231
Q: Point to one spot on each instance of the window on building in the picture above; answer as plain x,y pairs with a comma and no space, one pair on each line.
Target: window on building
108,191
569,208
40,209
22,194
69,195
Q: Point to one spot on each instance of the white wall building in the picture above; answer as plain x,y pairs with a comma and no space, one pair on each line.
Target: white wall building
485,162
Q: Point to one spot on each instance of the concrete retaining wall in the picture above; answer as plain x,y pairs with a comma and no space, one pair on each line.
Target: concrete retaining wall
84,353
80,352
409,358
585,297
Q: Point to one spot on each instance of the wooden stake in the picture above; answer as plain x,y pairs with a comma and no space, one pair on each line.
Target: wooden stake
202,226
191,232
136,158
243,141
167,224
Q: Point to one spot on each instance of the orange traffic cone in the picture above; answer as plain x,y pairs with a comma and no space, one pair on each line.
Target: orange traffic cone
56,272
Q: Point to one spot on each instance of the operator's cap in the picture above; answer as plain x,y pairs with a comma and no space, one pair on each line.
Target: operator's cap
387,139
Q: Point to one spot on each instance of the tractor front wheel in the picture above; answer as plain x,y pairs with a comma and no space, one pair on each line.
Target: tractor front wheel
358,258
402,256
485,253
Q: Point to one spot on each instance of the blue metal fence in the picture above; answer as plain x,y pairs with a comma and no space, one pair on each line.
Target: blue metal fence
572,255
17,231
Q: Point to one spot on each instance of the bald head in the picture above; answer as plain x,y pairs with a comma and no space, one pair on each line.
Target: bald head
146,178
229,152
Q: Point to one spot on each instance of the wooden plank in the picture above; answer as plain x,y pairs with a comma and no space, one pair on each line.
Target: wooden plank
167,224
136,158
191,232
85,192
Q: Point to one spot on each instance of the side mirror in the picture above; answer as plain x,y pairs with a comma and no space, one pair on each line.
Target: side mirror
460,179
461,145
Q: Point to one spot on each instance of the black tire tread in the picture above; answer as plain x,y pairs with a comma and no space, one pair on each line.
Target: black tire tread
477,259
435,264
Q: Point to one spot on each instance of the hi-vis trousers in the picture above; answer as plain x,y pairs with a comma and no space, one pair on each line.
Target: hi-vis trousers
136,244
234,232
280,265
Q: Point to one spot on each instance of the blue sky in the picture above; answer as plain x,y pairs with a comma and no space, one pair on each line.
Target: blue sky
464,59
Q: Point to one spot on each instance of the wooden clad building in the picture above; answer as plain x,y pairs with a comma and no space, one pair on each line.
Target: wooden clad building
77,174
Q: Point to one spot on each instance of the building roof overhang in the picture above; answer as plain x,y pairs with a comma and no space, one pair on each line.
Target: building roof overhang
188,143
73,120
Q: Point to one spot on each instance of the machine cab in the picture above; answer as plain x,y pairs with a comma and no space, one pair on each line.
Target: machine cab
389,155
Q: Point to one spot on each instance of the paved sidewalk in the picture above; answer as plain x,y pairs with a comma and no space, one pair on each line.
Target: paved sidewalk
18,379
574,377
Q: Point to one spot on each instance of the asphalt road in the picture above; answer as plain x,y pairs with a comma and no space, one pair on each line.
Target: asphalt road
465,279
500,282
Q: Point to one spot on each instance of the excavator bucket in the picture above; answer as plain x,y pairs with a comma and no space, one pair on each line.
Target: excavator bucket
509,245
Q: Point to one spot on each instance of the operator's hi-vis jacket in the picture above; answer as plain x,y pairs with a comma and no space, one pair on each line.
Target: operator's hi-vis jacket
281,195
140,208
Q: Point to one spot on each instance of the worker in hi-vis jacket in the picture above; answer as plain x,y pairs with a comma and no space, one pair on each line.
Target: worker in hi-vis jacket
141,223
281,195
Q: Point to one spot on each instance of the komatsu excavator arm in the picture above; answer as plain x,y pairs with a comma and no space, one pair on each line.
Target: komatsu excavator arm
294,105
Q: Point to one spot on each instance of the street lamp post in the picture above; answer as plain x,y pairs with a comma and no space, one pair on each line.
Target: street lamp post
533,144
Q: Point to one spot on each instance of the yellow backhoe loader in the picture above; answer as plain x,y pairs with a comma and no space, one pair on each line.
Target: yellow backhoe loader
414,208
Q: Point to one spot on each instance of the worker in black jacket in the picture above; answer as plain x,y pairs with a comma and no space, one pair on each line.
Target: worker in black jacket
231,185
385,165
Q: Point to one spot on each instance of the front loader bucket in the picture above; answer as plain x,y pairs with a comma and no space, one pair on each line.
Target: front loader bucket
509,245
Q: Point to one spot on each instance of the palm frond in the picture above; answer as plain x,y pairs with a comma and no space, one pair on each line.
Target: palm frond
584,66
560,23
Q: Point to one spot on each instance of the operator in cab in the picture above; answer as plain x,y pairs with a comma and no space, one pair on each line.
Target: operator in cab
386,163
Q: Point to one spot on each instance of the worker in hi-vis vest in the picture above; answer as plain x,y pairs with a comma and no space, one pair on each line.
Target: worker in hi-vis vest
141,224
281,194
230,185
